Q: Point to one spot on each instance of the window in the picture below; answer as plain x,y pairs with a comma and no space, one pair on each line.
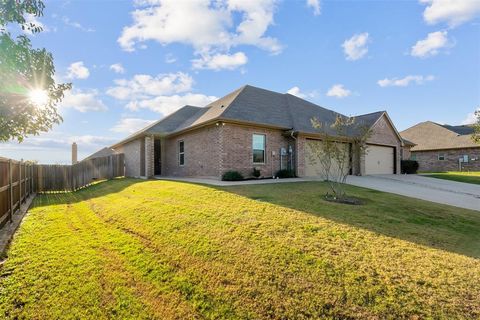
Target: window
413,157
258,146
465,158
181,152
441,156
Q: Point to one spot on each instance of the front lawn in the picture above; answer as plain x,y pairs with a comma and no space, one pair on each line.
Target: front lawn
133,249
460,176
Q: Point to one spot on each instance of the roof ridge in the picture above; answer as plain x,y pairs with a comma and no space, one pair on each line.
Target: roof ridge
367,114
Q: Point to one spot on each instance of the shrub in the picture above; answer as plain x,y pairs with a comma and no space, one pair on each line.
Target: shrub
409,166
232,176
284,173
256,173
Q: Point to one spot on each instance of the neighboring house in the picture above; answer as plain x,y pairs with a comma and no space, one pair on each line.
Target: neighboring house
443,147
250,127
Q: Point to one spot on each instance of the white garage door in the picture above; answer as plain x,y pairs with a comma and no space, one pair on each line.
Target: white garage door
313,164
379,160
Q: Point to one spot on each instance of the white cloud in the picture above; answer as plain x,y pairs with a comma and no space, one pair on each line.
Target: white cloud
356,47
338,91
83,101
453,12
170,58
209,26
76,25
164,93
296,92
471,118
55,146
117,68
220,61
32,19
62,140
130,125
143,85
315,5
168,104
431,45
403,82
78,71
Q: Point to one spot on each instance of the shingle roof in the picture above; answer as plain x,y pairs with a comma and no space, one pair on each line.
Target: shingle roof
252,105
175,120
101,153
462,130
433,136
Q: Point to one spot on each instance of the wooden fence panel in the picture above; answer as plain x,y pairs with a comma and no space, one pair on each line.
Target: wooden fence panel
16,180
4,191
79,175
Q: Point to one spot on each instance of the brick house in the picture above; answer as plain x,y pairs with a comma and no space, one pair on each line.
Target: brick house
251,127
442,147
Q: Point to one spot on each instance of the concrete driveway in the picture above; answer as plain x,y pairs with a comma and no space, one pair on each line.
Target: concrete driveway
458,194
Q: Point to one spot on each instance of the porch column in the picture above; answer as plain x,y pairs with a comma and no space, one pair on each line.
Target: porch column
149,165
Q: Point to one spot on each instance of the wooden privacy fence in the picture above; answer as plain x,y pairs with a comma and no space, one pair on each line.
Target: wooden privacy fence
16,185
73,177
18,179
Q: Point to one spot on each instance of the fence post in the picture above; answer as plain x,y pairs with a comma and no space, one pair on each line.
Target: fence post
10,191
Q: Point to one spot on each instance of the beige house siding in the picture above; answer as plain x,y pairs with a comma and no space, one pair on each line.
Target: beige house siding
428,160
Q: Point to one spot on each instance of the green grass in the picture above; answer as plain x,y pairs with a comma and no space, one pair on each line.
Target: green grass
468,177
132,249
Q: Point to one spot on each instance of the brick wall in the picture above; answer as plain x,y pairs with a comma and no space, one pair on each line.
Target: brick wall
407,153
132,151
300,154
213,150
237,152
149,153
202,154
428,160
383,134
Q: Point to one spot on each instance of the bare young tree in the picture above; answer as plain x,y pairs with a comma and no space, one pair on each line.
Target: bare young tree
333,154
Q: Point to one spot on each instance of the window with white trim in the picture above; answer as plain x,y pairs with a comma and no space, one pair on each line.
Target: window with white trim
181,152
258,146
441,156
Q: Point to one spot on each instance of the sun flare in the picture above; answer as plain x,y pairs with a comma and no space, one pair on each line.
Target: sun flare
38,97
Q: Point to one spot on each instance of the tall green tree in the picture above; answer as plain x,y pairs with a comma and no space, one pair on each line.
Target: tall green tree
476,127
29,93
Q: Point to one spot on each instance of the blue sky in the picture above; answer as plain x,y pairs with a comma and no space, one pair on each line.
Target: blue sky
134,62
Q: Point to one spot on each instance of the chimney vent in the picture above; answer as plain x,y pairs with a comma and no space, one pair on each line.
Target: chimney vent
74,153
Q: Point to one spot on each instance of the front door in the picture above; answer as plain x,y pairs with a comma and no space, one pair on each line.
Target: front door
157,157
